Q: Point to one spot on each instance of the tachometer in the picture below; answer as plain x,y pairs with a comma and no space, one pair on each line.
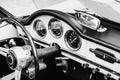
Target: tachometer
40,28
72,39
55,27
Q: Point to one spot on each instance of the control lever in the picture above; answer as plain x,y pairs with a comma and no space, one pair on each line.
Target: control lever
48,52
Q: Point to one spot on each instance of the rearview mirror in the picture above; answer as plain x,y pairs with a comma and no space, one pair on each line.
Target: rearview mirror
88,20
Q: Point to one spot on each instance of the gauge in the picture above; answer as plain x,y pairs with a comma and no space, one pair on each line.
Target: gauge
72,40
40,28
55,27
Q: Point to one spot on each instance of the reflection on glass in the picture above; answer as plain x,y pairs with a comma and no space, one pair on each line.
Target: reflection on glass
89,21
55,27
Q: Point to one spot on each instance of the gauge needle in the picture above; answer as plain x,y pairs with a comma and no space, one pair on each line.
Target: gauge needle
73,40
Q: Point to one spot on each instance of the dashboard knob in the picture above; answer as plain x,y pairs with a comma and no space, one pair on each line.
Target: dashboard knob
95,70
85,65
107,76
54,44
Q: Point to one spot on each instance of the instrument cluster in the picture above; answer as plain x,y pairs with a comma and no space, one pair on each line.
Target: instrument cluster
51,29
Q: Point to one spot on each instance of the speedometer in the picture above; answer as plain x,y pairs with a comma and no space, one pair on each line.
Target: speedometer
55,27
40,28
72,39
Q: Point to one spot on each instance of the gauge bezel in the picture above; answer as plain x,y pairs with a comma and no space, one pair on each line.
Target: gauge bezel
68,45
50,28
34,25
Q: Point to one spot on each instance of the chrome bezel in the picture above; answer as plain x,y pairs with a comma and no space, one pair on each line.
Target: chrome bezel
68,45
35,25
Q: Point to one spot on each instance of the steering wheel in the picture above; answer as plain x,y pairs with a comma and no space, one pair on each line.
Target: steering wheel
20,56
33,49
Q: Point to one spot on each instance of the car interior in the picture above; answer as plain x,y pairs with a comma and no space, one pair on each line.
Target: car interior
57,45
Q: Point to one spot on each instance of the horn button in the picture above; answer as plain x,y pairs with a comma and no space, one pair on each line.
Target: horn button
19,57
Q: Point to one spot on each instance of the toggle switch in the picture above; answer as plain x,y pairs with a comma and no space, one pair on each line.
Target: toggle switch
95,70
85,65
107,76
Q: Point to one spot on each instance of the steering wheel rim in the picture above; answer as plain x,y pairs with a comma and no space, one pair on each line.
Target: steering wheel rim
34,51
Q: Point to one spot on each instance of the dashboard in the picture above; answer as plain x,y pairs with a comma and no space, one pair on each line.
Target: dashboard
49,26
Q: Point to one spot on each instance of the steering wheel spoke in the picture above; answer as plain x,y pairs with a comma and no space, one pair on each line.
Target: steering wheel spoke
18,74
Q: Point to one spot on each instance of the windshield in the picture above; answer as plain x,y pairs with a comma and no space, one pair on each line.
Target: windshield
104,8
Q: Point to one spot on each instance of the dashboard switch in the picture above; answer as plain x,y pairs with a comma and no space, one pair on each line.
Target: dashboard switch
104,55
